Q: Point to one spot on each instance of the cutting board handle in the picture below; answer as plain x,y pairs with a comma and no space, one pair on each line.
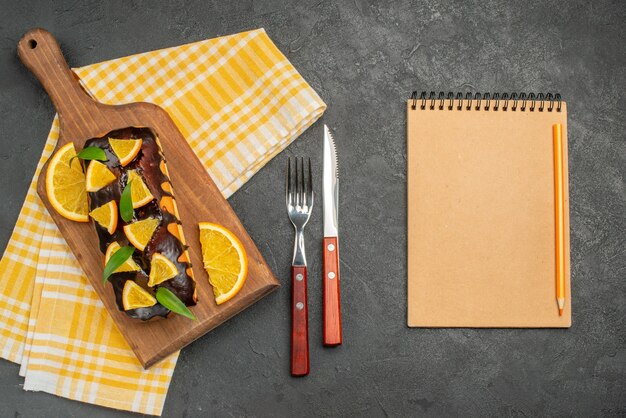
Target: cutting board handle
41,54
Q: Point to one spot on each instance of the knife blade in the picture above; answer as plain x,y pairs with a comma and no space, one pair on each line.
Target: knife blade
332,298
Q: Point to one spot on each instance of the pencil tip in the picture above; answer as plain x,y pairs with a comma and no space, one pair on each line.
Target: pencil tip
560,311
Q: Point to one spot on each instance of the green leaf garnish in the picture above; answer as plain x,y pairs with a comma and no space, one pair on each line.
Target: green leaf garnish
126,203
90,153
171,302
117,259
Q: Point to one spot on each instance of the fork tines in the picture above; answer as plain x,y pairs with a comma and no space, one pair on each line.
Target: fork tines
299,188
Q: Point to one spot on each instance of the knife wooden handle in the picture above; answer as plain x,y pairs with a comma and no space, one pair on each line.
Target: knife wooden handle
332,299
299,323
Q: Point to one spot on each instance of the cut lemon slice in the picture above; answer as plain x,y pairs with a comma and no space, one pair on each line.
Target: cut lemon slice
65,185
98,176
125,149
129,265
139,192
225,260
134,296
106,216
140,232
161,269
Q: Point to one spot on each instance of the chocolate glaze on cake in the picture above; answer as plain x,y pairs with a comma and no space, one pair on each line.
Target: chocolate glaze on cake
148,165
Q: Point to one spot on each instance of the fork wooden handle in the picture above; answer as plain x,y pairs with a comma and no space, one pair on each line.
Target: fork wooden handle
332,298
299,323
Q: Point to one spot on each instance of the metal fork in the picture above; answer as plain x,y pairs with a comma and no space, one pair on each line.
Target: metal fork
299,200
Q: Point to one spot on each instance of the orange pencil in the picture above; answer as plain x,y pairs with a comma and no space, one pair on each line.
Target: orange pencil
557,136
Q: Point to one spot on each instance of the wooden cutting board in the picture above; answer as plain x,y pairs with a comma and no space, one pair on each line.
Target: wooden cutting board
82,118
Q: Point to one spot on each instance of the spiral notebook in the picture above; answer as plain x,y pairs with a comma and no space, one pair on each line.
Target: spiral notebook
481,211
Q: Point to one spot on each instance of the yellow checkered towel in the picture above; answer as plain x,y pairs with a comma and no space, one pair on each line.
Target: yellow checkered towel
239,102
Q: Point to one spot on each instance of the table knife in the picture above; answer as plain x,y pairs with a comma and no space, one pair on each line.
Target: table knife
332,299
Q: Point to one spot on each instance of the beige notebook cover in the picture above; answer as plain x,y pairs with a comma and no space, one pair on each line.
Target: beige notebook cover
481,216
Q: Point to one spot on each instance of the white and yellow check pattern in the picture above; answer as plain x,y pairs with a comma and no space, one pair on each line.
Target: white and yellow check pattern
239,102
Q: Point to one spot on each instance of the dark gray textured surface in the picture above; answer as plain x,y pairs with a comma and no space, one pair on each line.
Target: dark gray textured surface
364,59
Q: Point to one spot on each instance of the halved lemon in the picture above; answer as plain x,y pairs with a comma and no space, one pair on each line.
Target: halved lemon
65,185
98,175
139,192
129,265
106,216
125,149
140,232
225,260
161,269
134,296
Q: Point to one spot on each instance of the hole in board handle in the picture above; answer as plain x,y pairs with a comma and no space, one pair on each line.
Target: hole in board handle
32,44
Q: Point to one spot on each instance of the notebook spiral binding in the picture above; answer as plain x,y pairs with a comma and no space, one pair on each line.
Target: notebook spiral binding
495,101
